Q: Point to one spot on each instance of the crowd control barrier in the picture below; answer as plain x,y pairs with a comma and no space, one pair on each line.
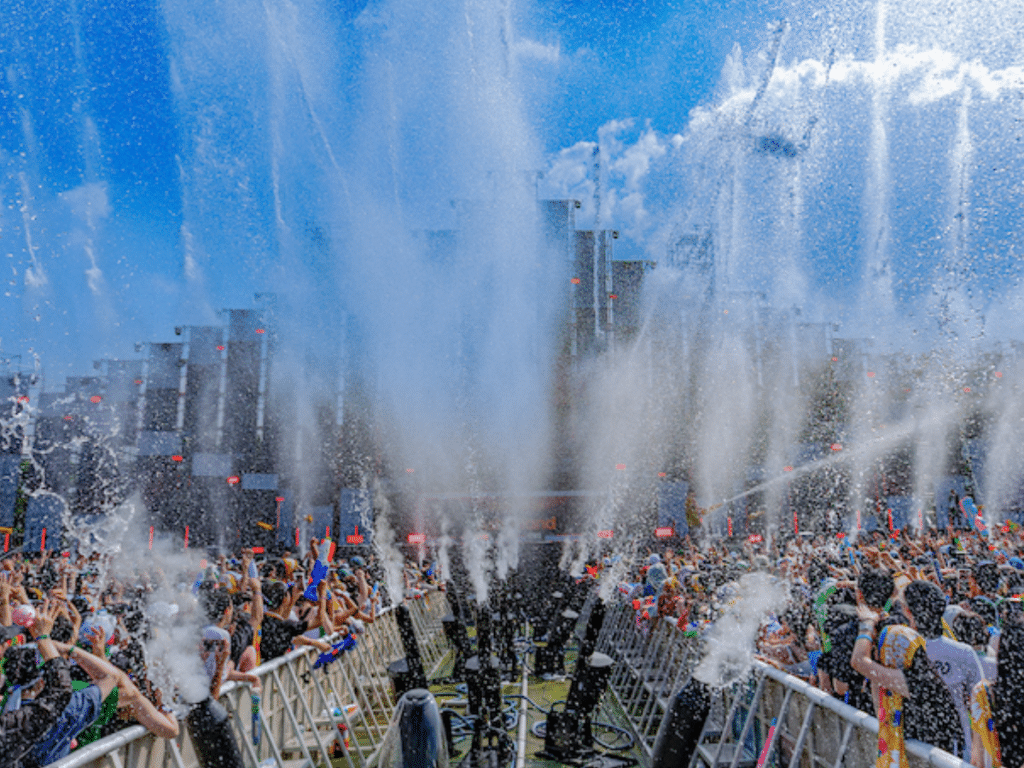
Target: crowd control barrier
812,729
304,711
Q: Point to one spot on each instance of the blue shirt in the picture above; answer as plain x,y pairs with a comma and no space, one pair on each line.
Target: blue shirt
79,714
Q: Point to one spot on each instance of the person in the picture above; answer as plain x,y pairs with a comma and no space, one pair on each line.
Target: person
85,704
984,587
969,627
278,630
911,701
44,696
956,663
997,709
835,675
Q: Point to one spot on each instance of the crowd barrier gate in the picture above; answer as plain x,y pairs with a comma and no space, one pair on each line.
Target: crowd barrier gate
303,710
813,729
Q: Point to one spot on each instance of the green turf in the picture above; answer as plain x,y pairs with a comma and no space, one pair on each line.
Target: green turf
543,694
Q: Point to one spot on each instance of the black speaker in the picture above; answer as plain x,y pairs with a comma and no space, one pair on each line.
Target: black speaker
209,726
681,727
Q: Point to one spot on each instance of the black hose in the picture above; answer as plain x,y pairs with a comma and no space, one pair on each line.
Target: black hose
533,703
465,728
616,729
540,730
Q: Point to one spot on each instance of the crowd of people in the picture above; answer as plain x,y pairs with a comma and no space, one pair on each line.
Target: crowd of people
90,647
924,631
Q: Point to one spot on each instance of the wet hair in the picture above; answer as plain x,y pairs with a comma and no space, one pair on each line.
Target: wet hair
986,609
877,586
274,593
1010,611
20,665
136,624
1008,707
843,596
969,628
930,714
214,602
957,592
131,659
63,630
838,615
1014,582
926,603
986,574
817,571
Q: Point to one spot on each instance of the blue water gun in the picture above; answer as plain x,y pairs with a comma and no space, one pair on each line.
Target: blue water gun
257,728
347,643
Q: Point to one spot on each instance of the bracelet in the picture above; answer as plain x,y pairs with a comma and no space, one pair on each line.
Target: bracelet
42,637
869,638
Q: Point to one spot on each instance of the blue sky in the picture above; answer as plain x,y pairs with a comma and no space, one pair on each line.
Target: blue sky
168,159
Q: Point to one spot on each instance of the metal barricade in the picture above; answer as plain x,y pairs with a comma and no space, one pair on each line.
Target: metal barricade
650,667
303,710
813,729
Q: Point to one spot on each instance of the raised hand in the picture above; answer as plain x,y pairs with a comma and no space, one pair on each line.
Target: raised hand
98,640
43,623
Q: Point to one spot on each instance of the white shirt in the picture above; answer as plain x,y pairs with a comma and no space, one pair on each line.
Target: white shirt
959,668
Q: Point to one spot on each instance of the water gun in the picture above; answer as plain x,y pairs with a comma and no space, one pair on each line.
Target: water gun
970,509
767,743
257,728
347,643
644,607
323,560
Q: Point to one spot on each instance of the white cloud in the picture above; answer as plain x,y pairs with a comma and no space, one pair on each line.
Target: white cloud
533,50
88,202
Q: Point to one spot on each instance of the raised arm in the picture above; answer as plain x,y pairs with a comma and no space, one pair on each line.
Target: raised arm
321,607
364,587
103,674
5,600
33,719
861,660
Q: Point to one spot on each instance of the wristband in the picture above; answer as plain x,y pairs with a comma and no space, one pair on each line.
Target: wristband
869,638
42,637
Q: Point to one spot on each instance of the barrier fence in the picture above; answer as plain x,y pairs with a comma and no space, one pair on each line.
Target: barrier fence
303,710
813,729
